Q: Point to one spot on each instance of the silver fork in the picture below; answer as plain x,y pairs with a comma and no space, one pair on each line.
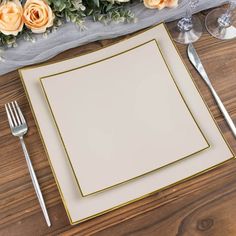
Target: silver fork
19,128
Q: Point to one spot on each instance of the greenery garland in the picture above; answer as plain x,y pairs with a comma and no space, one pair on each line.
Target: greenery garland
75,11
61,11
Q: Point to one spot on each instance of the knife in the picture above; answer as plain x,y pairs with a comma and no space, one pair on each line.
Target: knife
195,60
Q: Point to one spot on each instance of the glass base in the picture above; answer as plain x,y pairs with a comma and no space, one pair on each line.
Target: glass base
212,26
186,37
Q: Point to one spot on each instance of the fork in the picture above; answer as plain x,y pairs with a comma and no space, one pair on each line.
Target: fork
19,128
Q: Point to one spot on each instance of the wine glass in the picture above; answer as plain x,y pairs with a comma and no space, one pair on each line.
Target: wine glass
189,28
221,23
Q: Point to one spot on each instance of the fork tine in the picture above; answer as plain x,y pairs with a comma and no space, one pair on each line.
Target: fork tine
9,117
12,115
20,113
16,114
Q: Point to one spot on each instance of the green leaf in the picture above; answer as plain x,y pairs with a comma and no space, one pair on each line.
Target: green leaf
96,2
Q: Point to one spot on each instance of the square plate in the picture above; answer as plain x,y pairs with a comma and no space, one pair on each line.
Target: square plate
119,120
81,208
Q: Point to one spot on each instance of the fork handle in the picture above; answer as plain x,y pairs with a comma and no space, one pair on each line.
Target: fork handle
35,182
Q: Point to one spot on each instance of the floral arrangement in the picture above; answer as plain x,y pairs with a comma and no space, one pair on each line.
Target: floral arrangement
26,18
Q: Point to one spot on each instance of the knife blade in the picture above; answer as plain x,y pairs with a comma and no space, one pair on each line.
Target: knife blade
195,60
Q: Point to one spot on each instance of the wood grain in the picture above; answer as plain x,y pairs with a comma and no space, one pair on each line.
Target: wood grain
205,205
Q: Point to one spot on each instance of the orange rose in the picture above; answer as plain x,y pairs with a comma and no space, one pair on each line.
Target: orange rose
11,17
37,16
171,3
160,4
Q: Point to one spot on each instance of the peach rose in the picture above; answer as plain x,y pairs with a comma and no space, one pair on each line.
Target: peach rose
160,4
11,17
37,16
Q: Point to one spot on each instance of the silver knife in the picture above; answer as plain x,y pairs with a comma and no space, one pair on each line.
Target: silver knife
195,60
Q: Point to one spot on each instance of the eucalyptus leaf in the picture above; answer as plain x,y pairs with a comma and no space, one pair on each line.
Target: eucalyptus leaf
96,2
75,11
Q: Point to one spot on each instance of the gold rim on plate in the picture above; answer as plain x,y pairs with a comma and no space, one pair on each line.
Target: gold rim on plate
148,194
141,175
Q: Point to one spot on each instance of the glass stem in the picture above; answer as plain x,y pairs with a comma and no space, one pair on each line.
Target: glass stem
188,13
232,6
186,24
225,20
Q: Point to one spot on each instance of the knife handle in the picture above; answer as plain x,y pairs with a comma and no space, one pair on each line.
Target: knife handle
223,110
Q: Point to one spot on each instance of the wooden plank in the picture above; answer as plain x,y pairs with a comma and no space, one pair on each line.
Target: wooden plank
205,205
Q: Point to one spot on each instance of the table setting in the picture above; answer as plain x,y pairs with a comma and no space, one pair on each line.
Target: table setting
138,122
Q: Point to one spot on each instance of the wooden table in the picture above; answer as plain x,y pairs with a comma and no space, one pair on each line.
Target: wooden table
205,205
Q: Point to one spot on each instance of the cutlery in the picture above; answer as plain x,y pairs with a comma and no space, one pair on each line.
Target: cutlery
19,128
195,60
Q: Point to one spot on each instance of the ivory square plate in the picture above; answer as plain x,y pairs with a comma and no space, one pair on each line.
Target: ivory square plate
81,208
119,120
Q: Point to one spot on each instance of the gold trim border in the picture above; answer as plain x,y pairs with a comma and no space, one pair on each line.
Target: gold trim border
102,60
151,193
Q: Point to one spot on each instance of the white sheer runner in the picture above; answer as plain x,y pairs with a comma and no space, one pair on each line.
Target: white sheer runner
68,36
